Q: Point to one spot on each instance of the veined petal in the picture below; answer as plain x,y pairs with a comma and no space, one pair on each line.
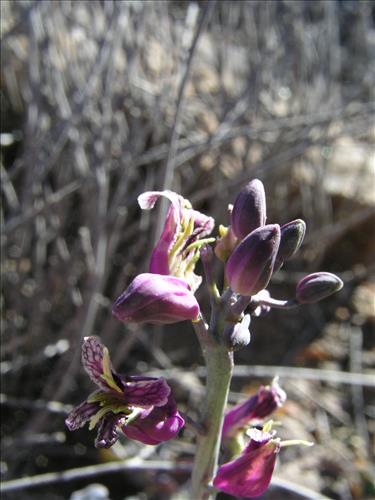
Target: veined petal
146,392
80,415
203,224
108,431
96,362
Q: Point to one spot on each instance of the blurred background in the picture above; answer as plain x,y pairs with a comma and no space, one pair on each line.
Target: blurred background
103,100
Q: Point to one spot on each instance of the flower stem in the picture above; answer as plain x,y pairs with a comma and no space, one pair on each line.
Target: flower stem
219,373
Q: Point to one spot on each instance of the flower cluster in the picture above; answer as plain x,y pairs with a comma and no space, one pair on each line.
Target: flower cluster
253,251
143,408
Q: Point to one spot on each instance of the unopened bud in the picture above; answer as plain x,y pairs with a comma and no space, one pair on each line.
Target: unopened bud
237,335
156,298
249,209
292,235
249,268
317,286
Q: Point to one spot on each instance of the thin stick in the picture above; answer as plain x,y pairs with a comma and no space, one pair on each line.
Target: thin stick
333,376
92,470
168,174
173,145
306,493
358,399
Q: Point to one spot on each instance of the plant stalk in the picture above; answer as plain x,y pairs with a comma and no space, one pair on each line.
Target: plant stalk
219,373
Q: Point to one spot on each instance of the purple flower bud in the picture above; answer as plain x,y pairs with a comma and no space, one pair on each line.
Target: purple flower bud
155,298
249,209
249,475
237,335
250,266
317,286
155,425
292,235
256,408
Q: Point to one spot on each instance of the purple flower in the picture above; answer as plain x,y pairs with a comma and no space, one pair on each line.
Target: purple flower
177,250
121,400
249,475
317,286
156,298
249,209
256,408
250,266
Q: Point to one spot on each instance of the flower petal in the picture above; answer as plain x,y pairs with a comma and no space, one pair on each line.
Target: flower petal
80,415
250,474
148,199
159,263
146,391
255,408
156,298
156,425
203,224
108,431
96,362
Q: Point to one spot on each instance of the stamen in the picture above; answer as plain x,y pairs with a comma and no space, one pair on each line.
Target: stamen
293,442
187,227
199,243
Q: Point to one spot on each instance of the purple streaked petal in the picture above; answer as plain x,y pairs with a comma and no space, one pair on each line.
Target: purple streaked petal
146,393
92,361
108,430
203,224
80,415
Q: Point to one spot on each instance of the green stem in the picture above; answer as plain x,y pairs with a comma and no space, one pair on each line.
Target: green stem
219,373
